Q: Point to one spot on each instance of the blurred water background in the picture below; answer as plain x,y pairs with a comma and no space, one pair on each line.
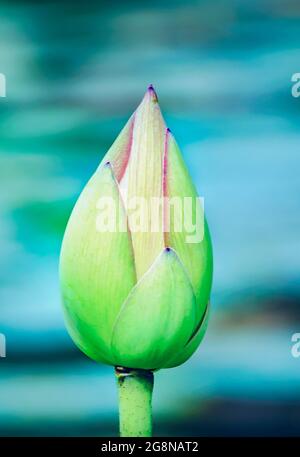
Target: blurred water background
222,70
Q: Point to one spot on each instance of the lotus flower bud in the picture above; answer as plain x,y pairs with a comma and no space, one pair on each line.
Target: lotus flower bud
138,297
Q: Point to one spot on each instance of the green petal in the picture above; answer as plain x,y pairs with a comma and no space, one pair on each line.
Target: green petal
196,257
97,268
192,344
158,316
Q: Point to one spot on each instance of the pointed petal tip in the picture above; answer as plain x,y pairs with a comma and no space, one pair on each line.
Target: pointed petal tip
108,166
107,169
170,139
152,92
169,251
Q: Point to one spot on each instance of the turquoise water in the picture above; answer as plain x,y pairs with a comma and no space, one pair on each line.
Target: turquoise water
222,71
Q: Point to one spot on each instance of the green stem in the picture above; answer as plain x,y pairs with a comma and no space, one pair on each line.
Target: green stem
135,396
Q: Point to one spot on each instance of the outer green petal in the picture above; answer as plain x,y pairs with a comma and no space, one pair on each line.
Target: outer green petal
158,316
96,269
192,345
196,257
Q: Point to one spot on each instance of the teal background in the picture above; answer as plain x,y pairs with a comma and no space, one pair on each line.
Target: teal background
222,70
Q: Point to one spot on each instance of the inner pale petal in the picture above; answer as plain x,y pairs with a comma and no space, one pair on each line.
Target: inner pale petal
143,181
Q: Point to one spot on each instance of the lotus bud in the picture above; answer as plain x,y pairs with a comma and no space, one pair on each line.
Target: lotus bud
135,273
